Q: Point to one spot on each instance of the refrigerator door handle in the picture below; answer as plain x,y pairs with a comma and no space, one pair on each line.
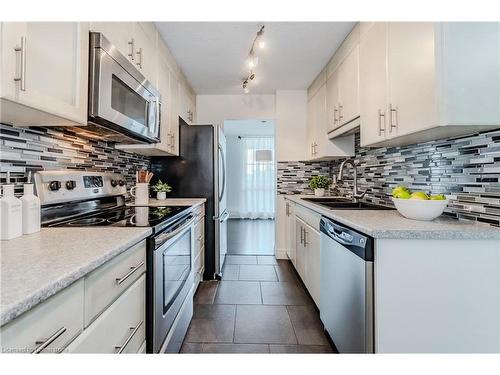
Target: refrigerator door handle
221,194
222,218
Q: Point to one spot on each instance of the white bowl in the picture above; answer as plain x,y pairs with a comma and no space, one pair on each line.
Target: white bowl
417,209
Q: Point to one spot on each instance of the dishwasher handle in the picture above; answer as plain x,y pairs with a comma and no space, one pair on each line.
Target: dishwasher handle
358,243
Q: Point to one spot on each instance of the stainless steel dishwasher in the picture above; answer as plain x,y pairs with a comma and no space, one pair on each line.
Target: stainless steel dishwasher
346,289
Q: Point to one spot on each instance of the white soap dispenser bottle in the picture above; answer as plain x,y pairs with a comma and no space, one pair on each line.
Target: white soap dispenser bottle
31,209
11,222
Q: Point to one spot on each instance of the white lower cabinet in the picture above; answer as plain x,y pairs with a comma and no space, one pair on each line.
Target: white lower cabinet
120,329
308,251
290,242
47,328
104,312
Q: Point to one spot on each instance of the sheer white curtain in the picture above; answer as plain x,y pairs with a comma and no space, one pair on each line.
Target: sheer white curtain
256,185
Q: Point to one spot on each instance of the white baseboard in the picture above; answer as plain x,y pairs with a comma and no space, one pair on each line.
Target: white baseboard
280,254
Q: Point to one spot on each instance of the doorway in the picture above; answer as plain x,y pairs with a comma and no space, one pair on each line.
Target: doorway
251,186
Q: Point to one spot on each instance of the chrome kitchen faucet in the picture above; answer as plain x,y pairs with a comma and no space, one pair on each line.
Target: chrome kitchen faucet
356,194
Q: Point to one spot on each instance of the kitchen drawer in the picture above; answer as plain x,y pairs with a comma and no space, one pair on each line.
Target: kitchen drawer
56,321
199,237
310,217
121,326
107,282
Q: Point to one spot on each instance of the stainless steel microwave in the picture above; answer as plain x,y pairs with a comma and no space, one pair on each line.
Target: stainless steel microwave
123,105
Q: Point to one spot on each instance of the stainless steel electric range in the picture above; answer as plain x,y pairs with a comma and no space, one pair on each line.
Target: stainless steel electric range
97,199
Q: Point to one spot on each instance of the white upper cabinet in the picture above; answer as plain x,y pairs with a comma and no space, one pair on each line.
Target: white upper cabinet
343,92
145,36
135,40
348,83
187,105
120,34
44,71
332,102
319,147
421,81
373,83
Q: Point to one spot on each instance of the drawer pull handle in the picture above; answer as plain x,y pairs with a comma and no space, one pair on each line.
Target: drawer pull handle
43,343
132,270
121,348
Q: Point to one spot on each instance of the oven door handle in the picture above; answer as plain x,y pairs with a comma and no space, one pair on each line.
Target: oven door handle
162,238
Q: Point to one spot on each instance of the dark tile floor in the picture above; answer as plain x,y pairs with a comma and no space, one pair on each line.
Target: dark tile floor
259,307
250,237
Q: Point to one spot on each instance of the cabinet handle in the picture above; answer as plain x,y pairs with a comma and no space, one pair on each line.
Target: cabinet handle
132,49
43,343
335,112
392,110
305,238
301,235
132,270
287,210
121,348
172,137
341,116
139,63
380,128
22,77
315,148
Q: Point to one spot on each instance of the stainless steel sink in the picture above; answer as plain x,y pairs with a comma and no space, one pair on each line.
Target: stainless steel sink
340,203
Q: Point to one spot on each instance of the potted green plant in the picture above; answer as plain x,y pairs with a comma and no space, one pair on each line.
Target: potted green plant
319,184
161,189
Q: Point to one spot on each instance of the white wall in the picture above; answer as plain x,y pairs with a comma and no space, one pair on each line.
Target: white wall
214,109
291,125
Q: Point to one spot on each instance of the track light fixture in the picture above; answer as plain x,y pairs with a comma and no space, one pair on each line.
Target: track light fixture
253,59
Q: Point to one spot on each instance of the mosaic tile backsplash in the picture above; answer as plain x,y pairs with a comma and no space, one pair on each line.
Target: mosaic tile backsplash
39,148
293,177
466,168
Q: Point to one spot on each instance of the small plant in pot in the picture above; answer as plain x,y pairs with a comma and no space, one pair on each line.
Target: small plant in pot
161,190
319,184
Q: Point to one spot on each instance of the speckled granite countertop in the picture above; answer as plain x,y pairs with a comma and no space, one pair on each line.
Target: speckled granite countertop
389,224
36,266
174,202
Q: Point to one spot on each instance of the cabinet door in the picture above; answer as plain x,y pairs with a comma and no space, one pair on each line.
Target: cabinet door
412,78
373,83
184,104
166,119
146,52
311,126
321,138
348,83
174,113
313,263
290,231
332,101
120,34
300,255
45,66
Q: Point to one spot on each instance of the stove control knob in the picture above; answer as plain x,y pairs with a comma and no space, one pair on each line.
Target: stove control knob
121,182
70,185
114,183
54,185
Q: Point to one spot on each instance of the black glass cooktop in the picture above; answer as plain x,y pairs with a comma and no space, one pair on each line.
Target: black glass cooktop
137,216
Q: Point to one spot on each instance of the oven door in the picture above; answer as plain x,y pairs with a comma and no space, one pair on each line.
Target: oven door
173,277
119,101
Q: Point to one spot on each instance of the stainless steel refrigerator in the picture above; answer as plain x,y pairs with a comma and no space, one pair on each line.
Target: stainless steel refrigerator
200,172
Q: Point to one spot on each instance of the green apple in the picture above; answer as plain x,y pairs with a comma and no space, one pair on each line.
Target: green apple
401,192
438,197
419,195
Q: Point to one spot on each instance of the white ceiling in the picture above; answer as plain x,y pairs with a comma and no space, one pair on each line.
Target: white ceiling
212,54
248,127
